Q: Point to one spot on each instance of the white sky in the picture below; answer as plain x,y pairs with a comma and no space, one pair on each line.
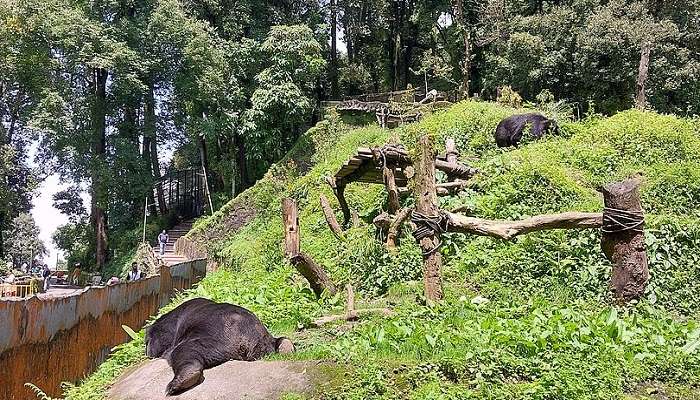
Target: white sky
47,217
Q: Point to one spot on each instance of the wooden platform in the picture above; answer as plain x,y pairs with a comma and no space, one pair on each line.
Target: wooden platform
366,167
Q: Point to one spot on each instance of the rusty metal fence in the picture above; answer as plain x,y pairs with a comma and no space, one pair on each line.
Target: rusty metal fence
47,342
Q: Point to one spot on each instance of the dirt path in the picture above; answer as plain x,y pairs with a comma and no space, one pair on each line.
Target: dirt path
260,380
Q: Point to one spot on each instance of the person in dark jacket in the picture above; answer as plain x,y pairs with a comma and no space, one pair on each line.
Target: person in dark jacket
46,274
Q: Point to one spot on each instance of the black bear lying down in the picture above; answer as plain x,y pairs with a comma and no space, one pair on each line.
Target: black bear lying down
201,334
510,130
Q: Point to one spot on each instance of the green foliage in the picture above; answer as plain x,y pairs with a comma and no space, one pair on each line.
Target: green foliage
22,240
510,98
527,319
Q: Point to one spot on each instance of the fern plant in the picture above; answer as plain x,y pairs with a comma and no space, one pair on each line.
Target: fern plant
40,394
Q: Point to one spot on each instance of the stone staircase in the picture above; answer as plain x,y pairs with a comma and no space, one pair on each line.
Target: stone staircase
170,258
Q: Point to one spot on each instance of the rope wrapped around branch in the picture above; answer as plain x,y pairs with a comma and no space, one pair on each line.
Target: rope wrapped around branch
427,225
616,220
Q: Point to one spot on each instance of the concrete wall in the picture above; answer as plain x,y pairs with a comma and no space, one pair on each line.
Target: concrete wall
47,342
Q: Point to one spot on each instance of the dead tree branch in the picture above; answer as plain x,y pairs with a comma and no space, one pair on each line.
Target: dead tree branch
507,230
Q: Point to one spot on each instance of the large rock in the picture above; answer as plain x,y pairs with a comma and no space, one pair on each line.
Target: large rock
230,381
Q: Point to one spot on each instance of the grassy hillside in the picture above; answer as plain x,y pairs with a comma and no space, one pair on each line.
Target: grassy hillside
529,319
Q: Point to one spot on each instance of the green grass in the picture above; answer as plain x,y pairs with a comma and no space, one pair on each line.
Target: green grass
547,329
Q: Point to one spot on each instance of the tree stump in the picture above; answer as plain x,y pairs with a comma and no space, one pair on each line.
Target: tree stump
625,247
427,205
291,227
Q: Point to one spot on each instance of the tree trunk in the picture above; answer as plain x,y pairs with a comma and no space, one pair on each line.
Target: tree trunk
152,135
162,206
203,154
2,236
427,204
146,157
625,248
241,163
335,94
99,168
641,100
339,191
466,40
392,237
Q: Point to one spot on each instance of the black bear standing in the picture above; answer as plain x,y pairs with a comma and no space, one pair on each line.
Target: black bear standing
510,131
201,334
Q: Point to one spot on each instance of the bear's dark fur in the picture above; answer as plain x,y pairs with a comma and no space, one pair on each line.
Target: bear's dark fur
201,334
510,130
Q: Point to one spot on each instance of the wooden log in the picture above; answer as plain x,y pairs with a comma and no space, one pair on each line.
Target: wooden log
625,248
350,313
382,221
427,204
392,190
451,153
339,191
385,312
395,227
314,273
456,170
330,217
507,230
394,155
291,227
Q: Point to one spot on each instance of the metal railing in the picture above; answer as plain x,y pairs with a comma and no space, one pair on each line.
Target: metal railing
12,290
184,192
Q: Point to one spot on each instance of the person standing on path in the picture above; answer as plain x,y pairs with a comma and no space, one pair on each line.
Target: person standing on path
75,277
46,274
163,241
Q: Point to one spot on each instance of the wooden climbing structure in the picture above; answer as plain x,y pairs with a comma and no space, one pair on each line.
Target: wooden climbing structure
621,222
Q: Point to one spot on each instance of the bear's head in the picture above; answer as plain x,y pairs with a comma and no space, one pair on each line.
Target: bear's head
158,340
284,345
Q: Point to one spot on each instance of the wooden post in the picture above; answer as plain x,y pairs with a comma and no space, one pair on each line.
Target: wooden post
641,99
355,219
625,248
391,189
451,151
330,217
392,236
427,204
350,313
314,273
291,227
